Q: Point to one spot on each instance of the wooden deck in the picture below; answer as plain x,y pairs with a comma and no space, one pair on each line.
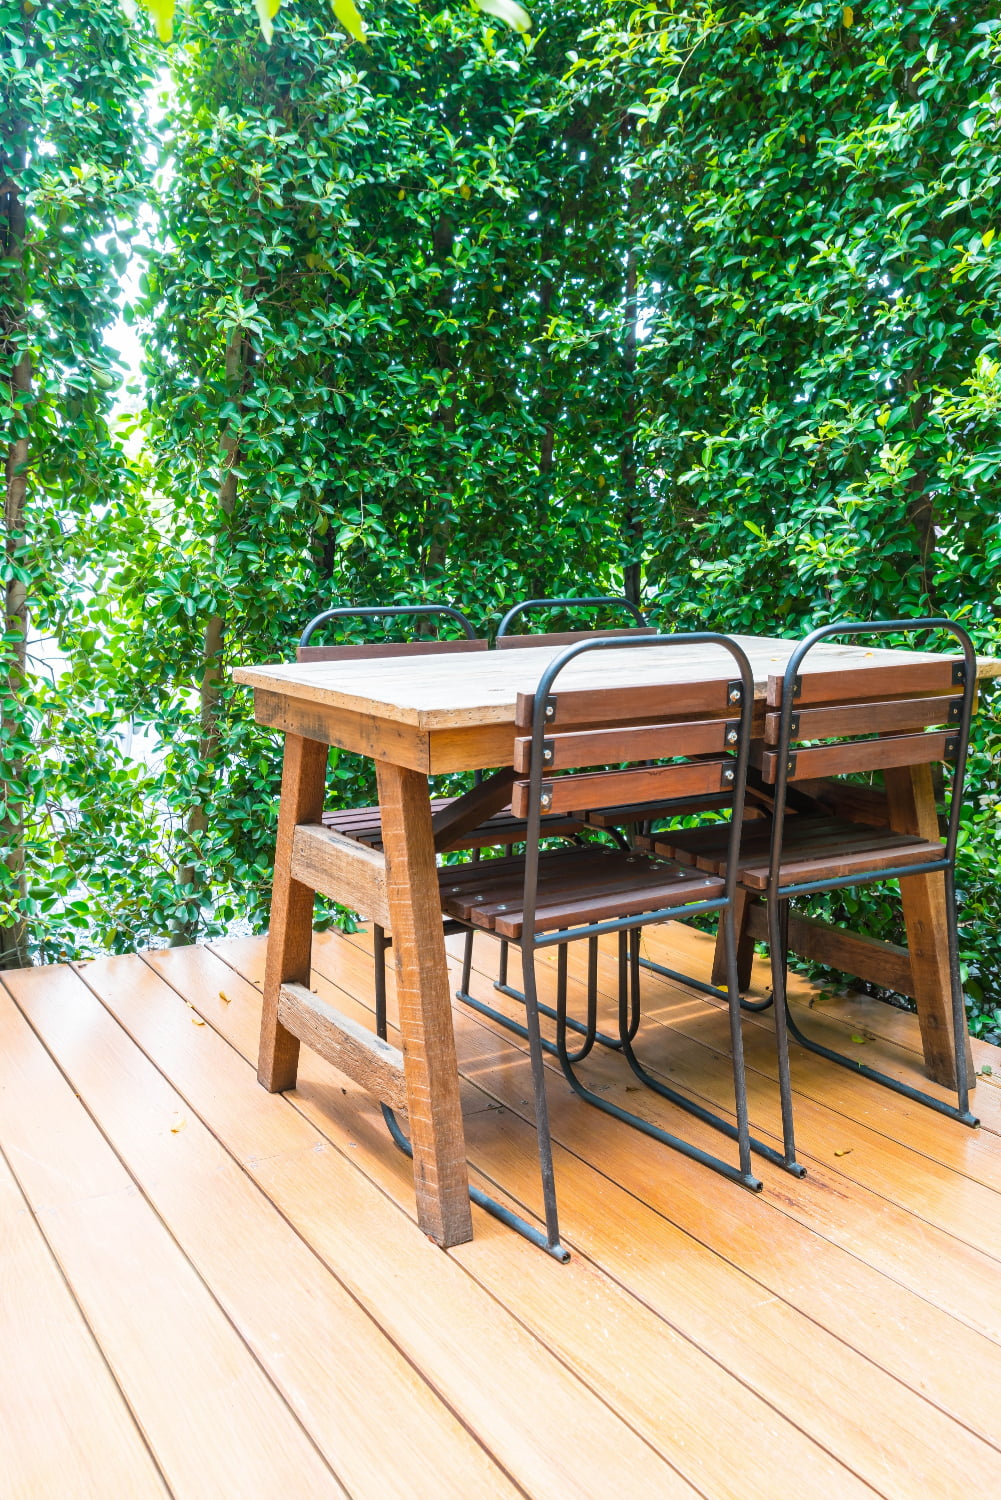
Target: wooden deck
209,1291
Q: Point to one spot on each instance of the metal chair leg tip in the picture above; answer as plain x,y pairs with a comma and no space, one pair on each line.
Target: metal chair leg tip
753,1183
558,1252
972,1120
795,1168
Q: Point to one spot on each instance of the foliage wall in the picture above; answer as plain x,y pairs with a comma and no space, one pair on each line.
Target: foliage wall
695,300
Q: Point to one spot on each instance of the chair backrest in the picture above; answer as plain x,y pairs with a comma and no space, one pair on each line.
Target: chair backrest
598,605
701,727
871,718
850,707
355,650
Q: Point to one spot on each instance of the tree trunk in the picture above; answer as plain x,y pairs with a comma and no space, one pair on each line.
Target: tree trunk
214,637
632,529
14,952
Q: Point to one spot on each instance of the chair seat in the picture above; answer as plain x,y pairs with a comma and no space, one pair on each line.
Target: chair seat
365,825
588,883
814,848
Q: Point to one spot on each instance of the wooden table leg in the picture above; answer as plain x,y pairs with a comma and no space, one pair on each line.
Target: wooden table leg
441,1180
290,934
911,801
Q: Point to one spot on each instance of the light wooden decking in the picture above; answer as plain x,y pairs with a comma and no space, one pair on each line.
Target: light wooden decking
208,1291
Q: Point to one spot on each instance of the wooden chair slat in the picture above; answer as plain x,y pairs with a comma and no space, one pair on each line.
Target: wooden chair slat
904,851
860,755
607,788
643,812
868,718
597,747
362,651
676,890
657,701
568,637
870,682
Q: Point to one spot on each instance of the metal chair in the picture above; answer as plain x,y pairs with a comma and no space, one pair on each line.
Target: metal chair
553,897
813,729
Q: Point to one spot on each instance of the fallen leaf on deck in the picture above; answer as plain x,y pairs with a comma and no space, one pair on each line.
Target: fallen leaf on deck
846,1152
197,1021
223,996
175,1128
986,1071
859,1039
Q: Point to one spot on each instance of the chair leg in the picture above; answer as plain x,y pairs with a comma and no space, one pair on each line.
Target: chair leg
588,1030
547,1241
628,1007
778,942
961,1110
538,1062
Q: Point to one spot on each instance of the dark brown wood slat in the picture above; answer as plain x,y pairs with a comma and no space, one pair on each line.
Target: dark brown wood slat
599,747
567,881
830,867
859,682
690,844
679,891
568,637
562,871
631,704
608,788
861,755
885,964
364,650
642,812
507,829
463,814
867,718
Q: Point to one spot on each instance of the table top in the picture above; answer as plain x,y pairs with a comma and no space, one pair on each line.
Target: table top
447,691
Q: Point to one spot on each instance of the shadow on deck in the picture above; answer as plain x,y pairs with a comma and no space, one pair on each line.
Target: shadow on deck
208,1291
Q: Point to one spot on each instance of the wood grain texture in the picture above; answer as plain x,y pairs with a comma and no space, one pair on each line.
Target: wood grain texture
912,807
342,868
359,732
593,790
61,1413
885,964
894,715
851,756
374,1064
440,1178
291,927
212,1418
481,689
872,676
599,747
466,813
298,1321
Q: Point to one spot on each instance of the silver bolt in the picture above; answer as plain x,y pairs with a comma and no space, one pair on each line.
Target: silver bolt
455,889
790,765
735,695
550,710
728,775
732,737
547,755
502,908
546,799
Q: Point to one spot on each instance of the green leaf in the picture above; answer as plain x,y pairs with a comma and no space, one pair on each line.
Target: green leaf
162,12
347,13
508,11
266,10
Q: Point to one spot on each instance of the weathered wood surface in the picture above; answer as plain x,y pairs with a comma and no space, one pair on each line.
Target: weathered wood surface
342,868
352,1049
456,691
701,1342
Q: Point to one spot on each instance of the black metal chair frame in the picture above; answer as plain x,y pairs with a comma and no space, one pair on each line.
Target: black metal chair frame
589,1031
530,942
778,896
380,940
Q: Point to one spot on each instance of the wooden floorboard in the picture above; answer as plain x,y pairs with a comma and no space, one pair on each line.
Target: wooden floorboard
211,1290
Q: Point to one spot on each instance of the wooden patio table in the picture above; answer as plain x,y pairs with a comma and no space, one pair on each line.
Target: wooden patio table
418,715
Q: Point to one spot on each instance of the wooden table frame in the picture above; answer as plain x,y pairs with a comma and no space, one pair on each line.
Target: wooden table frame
466,727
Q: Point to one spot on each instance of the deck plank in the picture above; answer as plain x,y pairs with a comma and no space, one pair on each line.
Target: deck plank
490,1369
324,1353
61,1412
763,1339
213,1420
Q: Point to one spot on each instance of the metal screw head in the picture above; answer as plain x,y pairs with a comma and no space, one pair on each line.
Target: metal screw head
502,908
545,799
547,755
790,765
455,889
728,774
550,710
735,695
732,737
